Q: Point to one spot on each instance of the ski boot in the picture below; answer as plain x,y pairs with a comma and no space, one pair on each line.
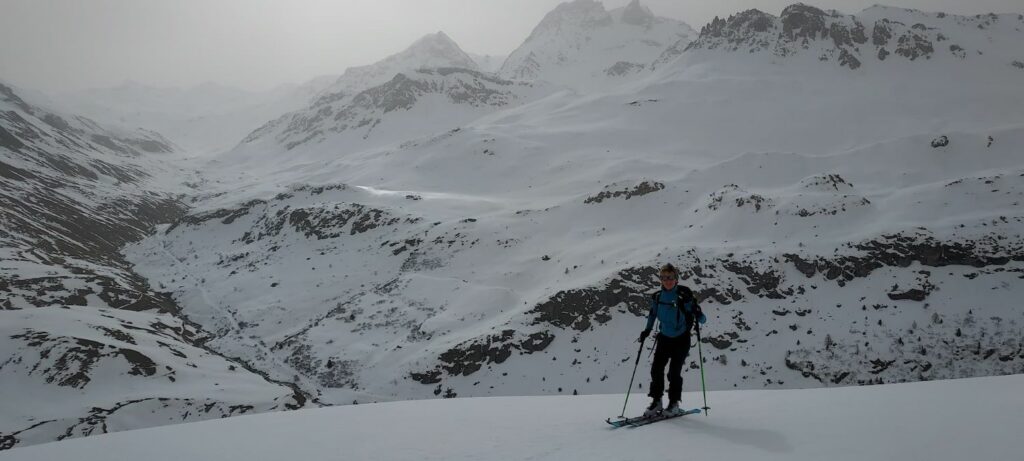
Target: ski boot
654,408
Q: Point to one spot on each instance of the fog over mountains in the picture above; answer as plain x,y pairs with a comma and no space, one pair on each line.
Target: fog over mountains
842,191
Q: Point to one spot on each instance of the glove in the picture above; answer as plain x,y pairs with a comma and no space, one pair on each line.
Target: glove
643,335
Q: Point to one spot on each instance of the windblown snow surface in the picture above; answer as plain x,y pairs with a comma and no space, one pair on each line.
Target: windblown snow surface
952,420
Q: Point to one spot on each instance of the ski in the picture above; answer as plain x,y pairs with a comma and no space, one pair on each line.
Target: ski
645,420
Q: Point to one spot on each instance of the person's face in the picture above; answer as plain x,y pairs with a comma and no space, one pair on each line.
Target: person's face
668,280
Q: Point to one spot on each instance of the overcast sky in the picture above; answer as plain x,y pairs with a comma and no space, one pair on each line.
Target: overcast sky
257,44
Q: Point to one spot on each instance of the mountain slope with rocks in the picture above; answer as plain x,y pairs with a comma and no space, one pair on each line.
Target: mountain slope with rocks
845,243
871,37
76,359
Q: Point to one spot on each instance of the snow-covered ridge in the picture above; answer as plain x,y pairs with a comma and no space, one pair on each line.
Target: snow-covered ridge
874,35
21,122
459,93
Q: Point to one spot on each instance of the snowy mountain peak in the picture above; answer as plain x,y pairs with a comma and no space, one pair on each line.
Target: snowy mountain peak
578,13
876,34
637,14
430,51
581,45
439,45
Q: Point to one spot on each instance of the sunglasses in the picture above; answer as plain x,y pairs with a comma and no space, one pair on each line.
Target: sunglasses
667,278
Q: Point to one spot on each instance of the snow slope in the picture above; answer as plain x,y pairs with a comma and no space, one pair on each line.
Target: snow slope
72,372
948,420
73,192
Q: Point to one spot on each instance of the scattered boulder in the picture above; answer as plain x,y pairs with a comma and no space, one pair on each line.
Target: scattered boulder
941,141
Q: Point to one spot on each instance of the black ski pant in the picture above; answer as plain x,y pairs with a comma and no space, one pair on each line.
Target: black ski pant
673,352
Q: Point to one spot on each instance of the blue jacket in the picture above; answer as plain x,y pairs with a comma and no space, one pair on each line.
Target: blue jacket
673,322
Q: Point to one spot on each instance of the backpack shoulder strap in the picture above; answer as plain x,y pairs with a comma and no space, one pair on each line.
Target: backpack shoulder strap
684,294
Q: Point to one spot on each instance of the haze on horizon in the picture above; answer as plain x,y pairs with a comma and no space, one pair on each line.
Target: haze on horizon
56,45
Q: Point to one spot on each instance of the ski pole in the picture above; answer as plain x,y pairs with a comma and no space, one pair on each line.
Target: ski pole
639,353
700,357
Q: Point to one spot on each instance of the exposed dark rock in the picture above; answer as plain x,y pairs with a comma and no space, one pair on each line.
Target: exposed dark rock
641,189
722,341
941,141
912,45
578,308
881,34
74,358
762,284
801,21
226,215
913,295
623,68
847,59
10,141
469,357
958,51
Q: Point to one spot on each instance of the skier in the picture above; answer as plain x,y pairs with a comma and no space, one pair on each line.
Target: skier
675,307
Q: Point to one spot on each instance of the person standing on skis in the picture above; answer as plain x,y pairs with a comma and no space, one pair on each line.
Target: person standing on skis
675,307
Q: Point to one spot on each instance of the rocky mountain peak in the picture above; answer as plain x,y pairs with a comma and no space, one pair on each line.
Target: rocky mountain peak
587,14
804,21
441,45
637,14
